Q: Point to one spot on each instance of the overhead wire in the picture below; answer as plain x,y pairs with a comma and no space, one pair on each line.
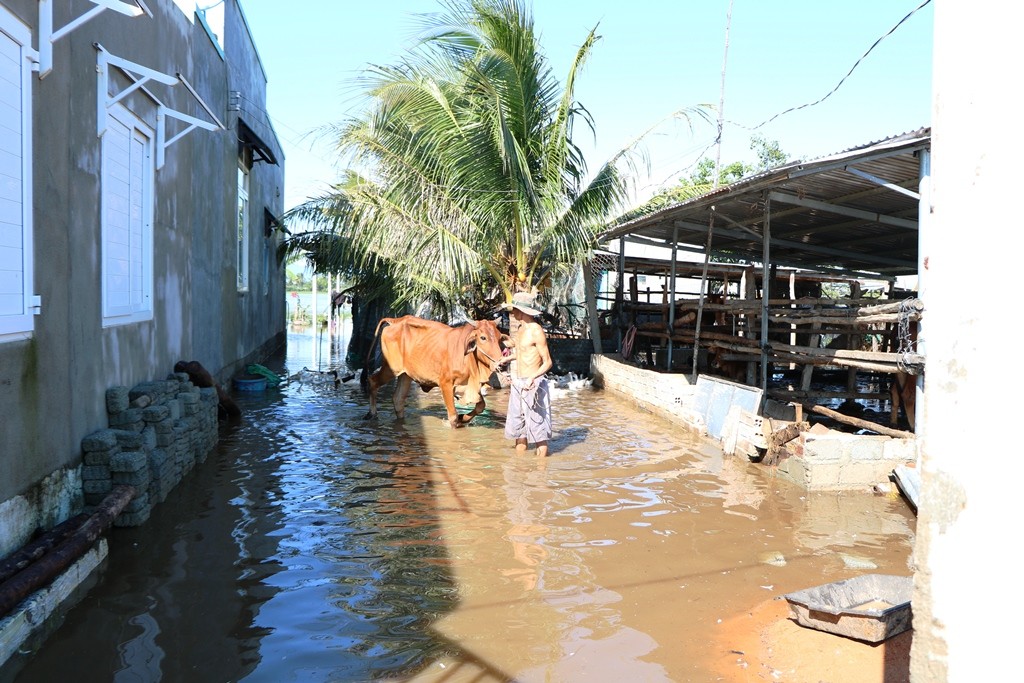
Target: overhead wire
843,79
685,153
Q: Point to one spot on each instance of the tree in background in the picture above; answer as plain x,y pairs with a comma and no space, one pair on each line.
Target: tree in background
464,181
701,181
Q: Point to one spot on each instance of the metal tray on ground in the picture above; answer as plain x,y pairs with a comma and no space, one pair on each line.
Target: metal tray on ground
871,608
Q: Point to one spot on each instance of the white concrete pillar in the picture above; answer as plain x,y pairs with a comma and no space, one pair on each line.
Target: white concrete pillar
967,598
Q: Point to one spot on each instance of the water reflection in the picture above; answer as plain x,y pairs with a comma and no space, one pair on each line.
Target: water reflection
315,546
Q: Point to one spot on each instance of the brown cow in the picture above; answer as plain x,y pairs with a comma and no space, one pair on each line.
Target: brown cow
903,391
735,370
435,355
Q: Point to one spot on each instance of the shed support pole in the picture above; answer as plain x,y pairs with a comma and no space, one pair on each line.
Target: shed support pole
766,286
672,297
703,289
620,295
590,286
923,235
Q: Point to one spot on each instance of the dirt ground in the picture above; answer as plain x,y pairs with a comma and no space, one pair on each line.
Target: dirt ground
767,644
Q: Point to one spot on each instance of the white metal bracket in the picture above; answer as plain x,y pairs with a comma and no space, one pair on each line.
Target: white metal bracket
47,36
140,75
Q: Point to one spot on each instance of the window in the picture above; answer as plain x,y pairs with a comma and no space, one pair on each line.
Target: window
127,177
243,224
16,254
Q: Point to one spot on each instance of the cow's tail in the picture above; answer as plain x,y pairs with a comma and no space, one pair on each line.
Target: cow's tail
371,356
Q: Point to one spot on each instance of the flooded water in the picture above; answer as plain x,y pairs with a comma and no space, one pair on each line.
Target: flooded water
315,546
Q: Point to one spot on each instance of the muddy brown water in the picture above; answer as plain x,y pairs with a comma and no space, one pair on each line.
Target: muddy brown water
314,546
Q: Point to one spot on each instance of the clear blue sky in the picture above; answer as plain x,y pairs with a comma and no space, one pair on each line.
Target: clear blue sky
654,56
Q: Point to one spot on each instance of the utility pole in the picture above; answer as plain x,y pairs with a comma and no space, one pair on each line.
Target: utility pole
721,98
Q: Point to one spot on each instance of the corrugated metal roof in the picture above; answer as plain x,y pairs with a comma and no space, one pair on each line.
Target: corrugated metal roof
844,212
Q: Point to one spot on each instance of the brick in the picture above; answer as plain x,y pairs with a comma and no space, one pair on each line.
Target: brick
102,486
101,440
141,402
148,438
155,413
128,461
128,440
139,479
117,400
152,389
122,419
100,457
94,472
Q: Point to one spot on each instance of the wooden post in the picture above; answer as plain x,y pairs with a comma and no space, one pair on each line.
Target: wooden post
591,299
44,570
32,551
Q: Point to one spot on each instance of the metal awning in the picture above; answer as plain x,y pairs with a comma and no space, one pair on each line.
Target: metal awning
853,213
140,76
260,149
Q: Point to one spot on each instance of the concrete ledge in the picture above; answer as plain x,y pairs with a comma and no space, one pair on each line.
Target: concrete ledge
669,395
29,619
828,461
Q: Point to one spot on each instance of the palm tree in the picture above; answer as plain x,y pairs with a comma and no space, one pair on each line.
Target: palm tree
468,178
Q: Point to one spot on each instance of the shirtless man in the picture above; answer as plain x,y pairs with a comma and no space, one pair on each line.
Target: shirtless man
529,401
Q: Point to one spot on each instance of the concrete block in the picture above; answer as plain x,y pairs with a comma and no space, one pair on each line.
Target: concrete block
128,440
138,479
99,486
823,475
126,419
141,402
900,449
823,449
101,440
868,447
95,472
148,437
155,390
117,400
155,413
128,461
100,457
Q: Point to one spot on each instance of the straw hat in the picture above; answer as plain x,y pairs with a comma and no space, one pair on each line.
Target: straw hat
524,302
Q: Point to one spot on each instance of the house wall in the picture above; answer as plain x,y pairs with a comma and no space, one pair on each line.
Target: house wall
971,469
53,383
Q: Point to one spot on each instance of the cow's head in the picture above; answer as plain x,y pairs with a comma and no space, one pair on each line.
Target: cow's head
484,342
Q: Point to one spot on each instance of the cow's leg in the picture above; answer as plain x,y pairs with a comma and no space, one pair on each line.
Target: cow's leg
894,397
377,380
477,409
448,393
401,394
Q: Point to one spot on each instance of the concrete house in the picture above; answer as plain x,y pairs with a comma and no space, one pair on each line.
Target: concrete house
140,189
